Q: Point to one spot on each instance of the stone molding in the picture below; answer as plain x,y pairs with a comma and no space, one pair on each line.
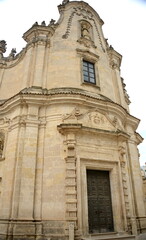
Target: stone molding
87,43
39,96
86,54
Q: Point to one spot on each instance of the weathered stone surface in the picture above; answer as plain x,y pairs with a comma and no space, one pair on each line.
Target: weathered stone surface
54,126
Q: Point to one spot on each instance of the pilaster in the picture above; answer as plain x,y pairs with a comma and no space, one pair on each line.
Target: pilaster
136,178
39,168
28,172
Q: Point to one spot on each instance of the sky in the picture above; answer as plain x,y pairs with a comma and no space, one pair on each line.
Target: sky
124,26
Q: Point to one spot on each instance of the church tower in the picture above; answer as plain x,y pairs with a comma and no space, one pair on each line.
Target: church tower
69,164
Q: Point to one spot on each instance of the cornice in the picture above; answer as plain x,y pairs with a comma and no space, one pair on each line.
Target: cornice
87,53
65,128
37,30
132,121
139,138
39,96
36,35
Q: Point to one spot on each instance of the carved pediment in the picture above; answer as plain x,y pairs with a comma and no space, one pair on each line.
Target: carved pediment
92,119
98,120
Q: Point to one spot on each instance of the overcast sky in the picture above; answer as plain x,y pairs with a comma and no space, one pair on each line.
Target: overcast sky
125,28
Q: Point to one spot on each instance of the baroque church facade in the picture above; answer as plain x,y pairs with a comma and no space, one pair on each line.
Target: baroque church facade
69,163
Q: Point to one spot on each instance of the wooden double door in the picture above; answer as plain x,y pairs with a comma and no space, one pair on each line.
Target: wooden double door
100,214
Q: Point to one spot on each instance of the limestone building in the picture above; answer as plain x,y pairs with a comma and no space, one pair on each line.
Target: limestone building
69,165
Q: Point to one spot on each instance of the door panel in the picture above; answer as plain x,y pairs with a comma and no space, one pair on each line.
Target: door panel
99,202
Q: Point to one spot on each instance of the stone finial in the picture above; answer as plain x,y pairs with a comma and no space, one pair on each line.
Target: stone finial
65,2
111,47
43,23
12,53
52,22
35,24
2,47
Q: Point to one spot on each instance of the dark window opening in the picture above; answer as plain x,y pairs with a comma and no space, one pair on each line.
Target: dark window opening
89,72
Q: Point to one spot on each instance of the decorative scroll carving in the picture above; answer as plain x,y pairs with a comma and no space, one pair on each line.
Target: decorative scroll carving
73,115
122,152
99,120
86,14
65,36
117,123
